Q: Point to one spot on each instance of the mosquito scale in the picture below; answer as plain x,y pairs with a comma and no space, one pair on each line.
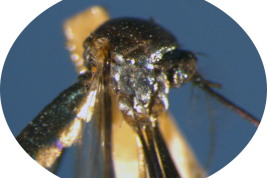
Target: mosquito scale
126,69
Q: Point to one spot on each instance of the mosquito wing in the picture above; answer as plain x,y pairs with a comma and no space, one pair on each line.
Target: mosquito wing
94,151
59,124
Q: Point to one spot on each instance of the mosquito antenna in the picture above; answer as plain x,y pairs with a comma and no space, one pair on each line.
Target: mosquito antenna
206,86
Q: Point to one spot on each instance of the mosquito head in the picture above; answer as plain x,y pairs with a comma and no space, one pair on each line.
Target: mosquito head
180,66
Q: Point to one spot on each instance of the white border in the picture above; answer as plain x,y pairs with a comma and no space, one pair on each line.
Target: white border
251,16
15,15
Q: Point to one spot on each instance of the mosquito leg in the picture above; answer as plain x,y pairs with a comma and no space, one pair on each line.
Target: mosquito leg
149,162
141,159
153,152
166,160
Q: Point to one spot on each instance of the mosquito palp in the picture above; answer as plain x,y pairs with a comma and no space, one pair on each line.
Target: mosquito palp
207,86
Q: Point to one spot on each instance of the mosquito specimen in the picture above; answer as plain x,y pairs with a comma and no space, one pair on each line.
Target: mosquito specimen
126,69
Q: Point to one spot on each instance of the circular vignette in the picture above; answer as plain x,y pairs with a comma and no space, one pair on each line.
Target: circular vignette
56,92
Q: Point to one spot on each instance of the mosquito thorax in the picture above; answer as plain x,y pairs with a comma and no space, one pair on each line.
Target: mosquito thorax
144,63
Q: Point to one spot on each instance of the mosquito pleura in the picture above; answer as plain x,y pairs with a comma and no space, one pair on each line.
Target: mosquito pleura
125,73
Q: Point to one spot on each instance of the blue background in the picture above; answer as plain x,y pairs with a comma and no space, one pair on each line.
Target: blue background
38,68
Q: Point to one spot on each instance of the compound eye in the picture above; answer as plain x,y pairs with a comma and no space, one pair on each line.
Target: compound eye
182,70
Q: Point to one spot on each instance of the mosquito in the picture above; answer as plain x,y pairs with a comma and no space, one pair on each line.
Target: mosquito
126,67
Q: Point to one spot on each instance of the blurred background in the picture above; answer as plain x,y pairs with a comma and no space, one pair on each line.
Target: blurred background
38,68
